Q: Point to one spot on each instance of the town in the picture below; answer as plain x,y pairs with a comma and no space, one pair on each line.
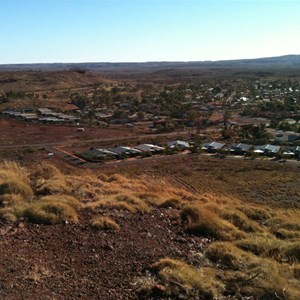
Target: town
252,117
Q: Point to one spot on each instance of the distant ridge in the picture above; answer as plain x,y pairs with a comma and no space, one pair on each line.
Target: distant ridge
286,61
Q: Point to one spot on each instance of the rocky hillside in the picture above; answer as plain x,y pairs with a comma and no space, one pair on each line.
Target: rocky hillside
111,236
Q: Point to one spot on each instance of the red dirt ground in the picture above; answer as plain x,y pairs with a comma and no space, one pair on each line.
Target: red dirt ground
18,132
72,261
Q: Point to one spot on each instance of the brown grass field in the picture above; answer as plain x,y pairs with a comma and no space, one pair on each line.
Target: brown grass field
199,228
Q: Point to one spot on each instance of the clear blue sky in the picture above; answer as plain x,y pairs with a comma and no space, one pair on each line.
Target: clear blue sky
34,31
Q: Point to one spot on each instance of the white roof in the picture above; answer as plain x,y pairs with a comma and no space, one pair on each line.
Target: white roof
178,143
149,147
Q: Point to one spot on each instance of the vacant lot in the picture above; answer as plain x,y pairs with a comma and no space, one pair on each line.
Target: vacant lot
17,132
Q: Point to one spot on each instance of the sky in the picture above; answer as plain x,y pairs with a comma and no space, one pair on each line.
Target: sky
48,31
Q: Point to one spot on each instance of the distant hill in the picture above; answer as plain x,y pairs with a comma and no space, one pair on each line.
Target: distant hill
287,61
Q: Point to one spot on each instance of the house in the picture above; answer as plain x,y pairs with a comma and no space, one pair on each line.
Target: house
178,144
45,111
292,152
99,154
103,116
289,152
268,149
240,149
213,147
286,137
149,148
125,151
51,120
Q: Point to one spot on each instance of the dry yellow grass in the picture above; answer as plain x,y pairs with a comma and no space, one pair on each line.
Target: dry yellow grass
240,220
292,251
202,221
257,250
55,185
50,212
178,277
228,255
104,223
262,245
67,199
14,180
250,275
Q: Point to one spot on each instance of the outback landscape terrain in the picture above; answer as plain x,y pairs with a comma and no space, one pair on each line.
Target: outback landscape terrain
150,181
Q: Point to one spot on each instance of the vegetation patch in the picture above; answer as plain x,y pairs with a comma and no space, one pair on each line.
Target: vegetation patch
201,221
229,256
176,277
50,212
104,223
265,246
240,220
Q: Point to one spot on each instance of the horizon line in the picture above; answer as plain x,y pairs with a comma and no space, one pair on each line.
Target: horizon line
145,62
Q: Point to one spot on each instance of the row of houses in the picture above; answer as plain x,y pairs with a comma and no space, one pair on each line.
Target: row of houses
121,152
142,150
244,149
43,115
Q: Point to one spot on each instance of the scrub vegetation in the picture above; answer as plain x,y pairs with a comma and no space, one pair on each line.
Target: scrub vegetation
253,249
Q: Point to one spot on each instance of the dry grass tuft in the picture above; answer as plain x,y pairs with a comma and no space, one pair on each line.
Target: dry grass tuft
11,200
229,256
110,204
201,221
131,200
117,178
14,186
172,202
50,212
177,278
260,281
285,234
104,223
152,199
264,246
296,271
292,251
11,214
55,185
102,177
240,220
14,180
66,199
256,213
45,171
288,222
12,169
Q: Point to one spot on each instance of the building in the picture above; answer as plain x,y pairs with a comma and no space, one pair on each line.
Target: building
178,144
213,147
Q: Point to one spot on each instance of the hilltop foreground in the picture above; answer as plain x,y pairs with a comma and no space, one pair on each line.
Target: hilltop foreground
201,229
